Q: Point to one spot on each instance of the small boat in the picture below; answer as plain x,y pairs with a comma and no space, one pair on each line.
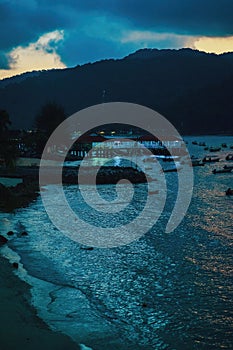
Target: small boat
149,159
229,192
206,148
153,192
224,145
215,149
170,159
210,159
194,143
171,170
228,167
203,144
229,157
221,171
196,161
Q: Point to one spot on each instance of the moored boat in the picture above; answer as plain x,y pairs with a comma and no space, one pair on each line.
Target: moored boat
221,171
229,192
196,161
210,159
173,169
215,149
229,157
228,167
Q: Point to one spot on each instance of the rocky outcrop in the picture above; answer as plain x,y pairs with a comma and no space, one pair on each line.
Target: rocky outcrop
17,196
3,240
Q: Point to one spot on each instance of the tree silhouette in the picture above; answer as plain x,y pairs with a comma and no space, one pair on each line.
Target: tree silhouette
8,147
49,117
4,121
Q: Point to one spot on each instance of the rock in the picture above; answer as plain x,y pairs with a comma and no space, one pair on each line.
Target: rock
15,265
4,191
10,233
24,233
3,240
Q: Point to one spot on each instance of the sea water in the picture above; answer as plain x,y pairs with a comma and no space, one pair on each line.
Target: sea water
163,291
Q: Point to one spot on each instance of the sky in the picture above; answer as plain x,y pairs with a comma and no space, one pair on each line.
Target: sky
46,34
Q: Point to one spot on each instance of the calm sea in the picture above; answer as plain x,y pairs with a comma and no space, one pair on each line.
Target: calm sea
165,291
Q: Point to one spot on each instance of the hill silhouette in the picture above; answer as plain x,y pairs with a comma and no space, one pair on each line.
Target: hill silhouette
193,89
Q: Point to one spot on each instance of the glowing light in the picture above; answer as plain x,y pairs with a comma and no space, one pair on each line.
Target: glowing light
216,45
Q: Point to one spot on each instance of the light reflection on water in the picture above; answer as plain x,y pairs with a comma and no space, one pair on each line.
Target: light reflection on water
165,291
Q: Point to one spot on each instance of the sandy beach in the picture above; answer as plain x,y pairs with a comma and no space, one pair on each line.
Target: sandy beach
20,327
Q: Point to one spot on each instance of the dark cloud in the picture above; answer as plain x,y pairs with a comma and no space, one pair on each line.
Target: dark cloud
4,61
78,51
198,17
22,22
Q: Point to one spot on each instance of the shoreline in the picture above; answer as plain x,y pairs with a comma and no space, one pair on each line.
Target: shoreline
21,327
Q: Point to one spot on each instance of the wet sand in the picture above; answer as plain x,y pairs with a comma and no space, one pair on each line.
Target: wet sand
20,328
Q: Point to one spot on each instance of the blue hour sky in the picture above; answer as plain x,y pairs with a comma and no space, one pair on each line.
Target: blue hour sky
44,34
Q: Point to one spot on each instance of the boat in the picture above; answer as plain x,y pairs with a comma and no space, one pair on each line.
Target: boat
221,171
202,144
229,157
194,143
210,159
228,167
170,170
153,192
170,158
149,168
224,145
196,161
215,149
150,159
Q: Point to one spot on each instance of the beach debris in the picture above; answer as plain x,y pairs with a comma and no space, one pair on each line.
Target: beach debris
3,240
